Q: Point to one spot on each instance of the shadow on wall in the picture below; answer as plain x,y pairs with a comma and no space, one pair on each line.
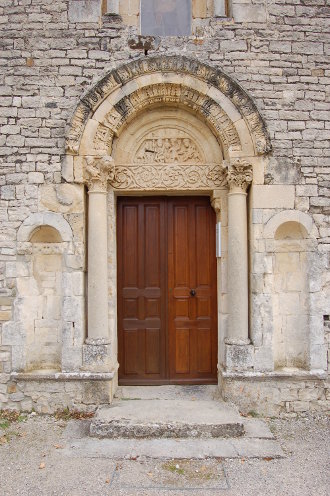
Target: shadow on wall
291,303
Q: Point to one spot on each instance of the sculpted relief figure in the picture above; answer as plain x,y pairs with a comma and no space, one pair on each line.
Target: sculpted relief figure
98,171
168,151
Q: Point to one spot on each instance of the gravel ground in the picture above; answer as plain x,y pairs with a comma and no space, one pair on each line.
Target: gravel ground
31,463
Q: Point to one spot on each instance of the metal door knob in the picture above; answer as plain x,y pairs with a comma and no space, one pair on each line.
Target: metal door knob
192,292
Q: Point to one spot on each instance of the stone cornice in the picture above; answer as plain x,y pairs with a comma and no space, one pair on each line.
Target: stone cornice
97,172
239,175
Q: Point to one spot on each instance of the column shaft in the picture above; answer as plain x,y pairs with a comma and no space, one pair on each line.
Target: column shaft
97,267
238,299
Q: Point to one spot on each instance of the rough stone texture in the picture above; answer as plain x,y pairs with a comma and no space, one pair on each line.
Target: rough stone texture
54,57
276,395
49,392
160,418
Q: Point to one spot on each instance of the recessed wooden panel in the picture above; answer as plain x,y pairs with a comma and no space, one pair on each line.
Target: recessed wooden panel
182,351
182,308
131,358
131,253
152,351
152,307
181,245
167,312
203,307
130,307
204,343
152,246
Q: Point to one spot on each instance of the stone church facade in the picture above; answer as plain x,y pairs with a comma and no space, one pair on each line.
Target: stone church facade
112,145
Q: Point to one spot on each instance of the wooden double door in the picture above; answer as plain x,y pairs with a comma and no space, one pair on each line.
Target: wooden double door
167,297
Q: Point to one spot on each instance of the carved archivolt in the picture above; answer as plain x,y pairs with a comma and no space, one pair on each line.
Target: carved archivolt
166,93
201,102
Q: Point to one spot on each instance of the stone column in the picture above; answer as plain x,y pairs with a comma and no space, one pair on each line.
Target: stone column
96,353
239,178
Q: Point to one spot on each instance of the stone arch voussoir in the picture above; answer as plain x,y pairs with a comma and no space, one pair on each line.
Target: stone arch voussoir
40,219
212,93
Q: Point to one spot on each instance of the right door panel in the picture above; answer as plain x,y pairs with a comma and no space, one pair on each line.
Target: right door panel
192,294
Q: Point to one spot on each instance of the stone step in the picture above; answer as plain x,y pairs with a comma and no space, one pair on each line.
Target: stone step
138,419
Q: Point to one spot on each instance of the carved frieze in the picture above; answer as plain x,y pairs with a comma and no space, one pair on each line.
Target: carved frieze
239,174
179,177
98,171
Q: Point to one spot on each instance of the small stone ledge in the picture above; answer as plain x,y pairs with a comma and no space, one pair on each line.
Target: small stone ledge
294,375
62,376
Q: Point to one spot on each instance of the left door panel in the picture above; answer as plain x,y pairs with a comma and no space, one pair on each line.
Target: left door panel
142,283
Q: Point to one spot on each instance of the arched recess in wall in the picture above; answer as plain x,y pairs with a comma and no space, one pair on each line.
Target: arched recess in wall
291,232
42,240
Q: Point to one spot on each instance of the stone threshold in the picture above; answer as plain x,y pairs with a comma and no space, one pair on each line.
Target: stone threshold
62,376
283,374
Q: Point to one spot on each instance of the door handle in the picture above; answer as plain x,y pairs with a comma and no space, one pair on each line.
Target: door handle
192,292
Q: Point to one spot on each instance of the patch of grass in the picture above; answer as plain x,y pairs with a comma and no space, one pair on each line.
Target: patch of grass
10,416
253,414
8,436
68,414
171,467
191,470
4,424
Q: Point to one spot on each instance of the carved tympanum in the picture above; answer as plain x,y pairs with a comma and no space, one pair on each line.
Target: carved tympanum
98,171
239,174
168,151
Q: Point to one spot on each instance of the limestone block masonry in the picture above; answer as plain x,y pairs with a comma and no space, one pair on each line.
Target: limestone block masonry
237,112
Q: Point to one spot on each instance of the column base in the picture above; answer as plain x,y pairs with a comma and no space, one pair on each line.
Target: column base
97,355
239,357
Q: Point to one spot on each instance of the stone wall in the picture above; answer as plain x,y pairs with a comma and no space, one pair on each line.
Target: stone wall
55,51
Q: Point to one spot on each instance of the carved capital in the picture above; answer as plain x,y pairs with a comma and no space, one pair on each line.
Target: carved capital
98,171
239,175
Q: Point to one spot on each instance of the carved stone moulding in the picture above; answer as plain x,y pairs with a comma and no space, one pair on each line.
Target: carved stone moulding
128,107
97,172
164,65
239,174
165,177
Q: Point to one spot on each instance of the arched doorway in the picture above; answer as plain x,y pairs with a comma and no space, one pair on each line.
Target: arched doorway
165,126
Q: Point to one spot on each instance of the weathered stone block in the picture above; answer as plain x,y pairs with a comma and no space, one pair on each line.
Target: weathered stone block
273,196
84,10
97,358
239,357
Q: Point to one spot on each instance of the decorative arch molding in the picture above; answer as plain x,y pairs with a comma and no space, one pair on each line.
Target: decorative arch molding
40,219
173,80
